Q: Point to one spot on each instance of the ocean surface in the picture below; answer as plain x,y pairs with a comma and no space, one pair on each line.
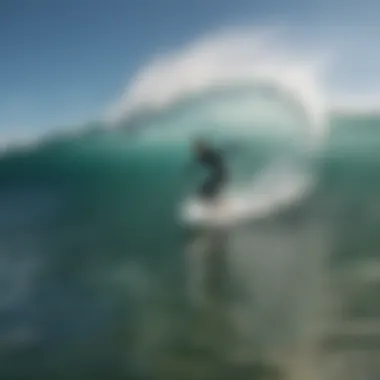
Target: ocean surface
101,279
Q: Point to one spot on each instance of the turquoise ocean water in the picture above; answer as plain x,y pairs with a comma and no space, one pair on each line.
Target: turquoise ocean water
101,280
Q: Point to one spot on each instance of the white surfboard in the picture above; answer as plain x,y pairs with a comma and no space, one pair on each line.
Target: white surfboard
260,199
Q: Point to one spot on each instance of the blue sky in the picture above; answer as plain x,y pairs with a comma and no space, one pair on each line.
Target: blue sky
64,61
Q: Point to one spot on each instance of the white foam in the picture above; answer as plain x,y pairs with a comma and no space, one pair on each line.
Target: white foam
276,189
223,59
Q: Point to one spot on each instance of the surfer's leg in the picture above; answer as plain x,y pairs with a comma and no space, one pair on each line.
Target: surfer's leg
206,191
211,189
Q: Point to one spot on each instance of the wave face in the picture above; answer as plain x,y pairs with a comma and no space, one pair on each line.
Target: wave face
99,279
235,87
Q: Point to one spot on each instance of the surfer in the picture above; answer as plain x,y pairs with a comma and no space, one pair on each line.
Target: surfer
213,160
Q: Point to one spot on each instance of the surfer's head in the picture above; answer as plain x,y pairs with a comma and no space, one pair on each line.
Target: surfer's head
201,145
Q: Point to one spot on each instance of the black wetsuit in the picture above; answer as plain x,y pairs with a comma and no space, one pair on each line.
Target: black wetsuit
214,162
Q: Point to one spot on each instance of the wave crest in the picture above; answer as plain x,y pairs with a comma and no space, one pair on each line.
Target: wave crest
221,60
